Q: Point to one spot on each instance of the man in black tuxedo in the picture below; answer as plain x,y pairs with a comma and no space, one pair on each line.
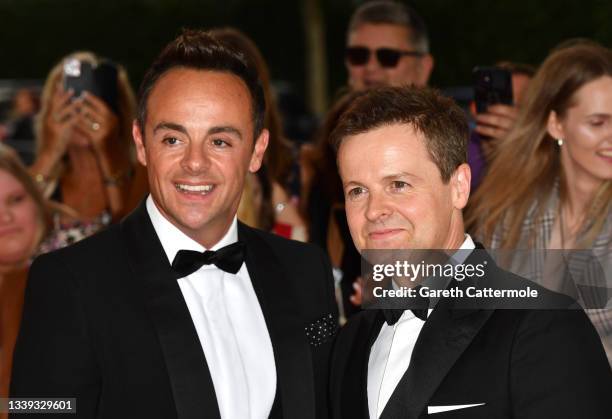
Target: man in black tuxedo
181,311
401,155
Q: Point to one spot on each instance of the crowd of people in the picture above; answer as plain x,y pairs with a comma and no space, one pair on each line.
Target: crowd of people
539,177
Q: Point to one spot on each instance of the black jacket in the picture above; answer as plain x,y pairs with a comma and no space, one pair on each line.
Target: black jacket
522,363
105,322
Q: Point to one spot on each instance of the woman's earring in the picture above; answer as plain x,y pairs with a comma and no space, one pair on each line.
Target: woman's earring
559,142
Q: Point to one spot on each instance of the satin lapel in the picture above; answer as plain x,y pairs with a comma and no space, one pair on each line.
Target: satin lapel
355,383
279,304
192,386
444,337
442,340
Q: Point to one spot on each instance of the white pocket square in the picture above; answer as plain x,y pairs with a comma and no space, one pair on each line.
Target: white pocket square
448,408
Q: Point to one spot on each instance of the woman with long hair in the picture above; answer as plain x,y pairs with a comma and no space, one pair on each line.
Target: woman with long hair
266,203
550,182
322,206
23,222
84,155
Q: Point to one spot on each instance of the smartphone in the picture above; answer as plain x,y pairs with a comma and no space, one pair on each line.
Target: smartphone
99,80
491,85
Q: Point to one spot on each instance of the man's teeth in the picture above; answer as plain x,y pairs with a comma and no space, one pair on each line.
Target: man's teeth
606,153
194,188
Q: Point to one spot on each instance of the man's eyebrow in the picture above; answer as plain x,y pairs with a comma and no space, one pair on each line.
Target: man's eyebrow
225,129
171,126
401,175
351,183
214,130
385,178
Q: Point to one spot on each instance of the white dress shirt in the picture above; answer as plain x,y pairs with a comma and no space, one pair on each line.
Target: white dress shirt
392,350
229,323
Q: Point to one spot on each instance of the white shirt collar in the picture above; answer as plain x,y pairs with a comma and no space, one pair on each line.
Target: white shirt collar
464,250
468,243
458,257
173,239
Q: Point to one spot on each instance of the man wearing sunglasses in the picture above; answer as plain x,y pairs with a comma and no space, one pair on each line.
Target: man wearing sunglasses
387,45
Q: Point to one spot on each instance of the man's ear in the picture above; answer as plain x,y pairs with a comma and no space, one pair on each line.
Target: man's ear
261,143
554,126
139,141
460,186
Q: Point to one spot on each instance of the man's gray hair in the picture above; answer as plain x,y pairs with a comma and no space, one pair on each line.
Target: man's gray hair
393,13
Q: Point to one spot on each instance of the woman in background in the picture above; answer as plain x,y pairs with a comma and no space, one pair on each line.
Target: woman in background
549,185
266,203
23,222
323,206
85,156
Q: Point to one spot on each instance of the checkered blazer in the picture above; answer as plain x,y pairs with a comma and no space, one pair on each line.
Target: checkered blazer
586,274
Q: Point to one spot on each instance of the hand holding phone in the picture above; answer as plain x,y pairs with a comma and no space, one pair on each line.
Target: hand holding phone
492,85
97,122
497,121
99,80
493,98
59,122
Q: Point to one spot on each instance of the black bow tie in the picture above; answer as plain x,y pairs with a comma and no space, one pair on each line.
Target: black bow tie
392,315
228,259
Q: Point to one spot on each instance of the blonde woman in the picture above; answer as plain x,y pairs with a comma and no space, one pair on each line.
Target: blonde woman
549,185
84,152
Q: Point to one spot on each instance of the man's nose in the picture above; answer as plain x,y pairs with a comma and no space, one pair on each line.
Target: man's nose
378,207
372,65
196,159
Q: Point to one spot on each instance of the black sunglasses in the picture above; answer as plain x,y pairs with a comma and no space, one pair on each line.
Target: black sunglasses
387,57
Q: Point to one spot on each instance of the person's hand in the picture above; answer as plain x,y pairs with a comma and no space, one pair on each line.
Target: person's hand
98,122
58,124
497,122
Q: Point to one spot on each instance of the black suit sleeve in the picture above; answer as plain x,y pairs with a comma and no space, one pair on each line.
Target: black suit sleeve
330,289
322,367
53,355
559,368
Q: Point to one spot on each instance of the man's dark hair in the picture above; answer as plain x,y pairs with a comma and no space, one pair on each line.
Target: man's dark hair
393,13
195,49
439,119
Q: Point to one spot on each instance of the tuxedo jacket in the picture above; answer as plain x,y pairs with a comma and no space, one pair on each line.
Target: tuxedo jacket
104,321
511,363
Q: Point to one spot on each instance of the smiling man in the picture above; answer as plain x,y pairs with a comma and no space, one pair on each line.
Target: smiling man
181,311
402,160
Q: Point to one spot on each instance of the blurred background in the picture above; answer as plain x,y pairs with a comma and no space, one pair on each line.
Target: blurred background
84,175
302,40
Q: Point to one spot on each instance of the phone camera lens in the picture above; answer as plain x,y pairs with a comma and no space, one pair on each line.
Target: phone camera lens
72,67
